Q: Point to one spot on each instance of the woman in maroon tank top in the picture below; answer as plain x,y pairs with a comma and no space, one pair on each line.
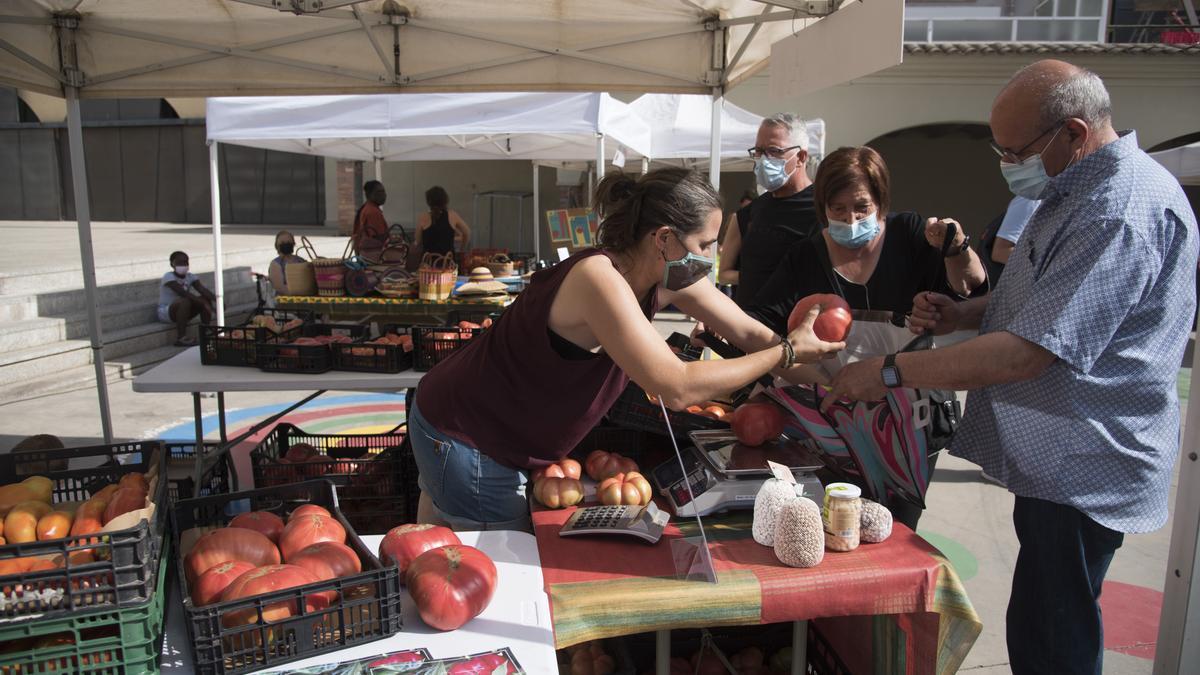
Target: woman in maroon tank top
524,393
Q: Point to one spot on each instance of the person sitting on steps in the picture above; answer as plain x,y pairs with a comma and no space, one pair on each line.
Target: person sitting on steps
181,296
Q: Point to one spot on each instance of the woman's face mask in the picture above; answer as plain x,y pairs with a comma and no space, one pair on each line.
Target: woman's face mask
287,248
681,273
854,235
181,270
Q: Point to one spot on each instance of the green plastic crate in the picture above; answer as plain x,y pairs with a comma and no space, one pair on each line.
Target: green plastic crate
119,642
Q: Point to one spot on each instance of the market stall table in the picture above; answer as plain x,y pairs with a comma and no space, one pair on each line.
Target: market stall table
518,616
603,587
184,373
397,310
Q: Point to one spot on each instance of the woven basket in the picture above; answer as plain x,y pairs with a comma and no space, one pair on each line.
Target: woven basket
331,275
436,277
501,266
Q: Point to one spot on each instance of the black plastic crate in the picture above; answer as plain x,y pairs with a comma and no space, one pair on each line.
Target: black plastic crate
631,443
683,347
376,474
238,345
215,472
636,653
109,642
633,409
122,572
368,606
374,358
280,356
434,344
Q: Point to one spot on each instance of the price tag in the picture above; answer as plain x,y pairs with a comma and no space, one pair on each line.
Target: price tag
781,472
563,253
618,159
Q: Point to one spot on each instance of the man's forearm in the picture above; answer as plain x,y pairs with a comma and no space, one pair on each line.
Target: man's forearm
995,358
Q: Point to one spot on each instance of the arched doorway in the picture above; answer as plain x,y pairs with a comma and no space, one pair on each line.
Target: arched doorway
946,170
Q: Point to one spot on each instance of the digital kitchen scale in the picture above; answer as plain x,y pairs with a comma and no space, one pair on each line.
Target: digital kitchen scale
725,474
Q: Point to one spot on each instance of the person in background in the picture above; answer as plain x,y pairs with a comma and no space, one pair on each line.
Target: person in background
441,227
567,347
779,217
1074,403
285,246
181,297
728,250
370,227
1002,234
34,444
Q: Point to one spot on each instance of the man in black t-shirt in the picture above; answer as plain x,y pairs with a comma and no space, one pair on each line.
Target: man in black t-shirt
781,216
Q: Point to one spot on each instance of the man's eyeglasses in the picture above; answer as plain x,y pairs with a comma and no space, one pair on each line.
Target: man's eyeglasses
1014,156
771,151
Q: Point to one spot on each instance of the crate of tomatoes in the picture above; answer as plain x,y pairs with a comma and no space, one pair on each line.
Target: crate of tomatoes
285,581
391,352
310,352
434,344
376,474
635,409
82,528
125,640
238,345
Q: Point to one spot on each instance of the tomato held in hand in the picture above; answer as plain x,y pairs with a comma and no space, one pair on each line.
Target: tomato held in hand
402,544
757,423
451,585
832,324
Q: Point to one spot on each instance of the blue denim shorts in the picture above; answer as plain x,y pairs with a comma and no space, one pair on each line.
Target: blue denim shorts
470,490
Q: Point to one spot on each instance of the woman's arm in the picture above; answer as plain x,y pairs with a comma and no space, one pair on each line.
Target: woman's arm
423,222
276,277
460,226
730,250
964,272
204,292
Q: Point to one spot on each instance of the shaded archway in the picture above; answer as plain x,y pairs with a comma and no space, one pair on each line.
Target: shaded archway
947,170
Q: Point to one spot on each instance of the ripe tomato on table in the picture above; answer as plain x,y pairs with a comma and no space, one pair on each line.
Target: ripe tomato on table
451,585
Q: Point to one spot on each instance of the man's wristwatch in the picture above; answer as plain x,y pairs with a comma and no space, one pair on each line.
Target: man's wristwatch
961,248
891,373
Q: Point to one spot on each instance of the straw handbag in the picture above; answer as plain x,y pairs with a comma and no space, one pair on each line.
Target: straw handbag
299,275
436,276
500,265
331,274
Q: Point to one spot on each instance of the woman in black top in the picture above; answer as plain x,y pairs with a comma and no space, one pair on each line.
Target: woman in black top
873,263
438,229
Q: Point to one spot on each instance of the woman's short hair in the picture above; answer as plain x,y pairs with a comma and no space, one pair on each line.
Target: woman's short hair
629,206
846,168
281,236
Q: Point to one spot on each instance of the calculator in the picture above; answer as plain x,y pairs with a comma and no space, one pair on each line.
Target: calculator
646,523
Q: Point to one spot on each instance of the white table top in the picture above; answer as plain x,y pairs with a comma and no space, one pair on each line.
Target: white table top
184,373
518,616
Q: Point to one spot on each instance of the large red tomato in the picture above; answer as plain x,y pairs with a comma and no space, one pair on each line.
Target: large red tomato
260,521
230,543
630,489
309,510
564,468
757,423
300,452
302,532
328,560
209,587
557,493
265,580
601,465
124,500
402,544
451,585
832,324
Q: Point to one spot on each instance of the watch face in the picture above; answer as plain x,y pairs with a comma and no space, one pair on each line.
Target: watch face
890,377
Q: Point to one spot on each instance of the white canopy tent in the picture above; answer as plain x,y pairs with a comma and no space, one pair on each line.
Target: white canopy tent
681,128
1183,162
192,48
412,127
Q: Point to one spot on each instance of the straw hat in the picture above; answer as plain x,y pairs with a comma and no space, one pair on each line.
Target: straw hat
481,281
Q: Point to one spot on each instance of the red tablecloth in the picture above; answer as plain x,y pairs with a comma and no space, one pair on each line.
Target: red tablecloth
911,613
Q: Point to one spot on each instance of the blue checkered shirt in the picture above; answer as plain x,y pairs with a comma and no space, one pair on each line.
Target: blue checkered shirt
1104,278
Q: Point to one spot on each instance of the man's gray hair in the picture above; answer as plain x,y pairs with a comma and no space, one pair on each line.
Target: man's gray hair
797,129
1082,95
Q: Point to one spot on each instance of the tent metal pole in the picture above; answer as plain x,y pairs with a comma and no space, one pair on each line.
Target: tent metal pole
218,255
537,235
378,152
599,158
645,165
1179,621
83,214
714,148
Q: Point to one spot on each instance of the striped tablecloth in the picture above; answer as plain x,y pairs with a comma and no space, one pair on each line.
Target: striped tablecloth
901,605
